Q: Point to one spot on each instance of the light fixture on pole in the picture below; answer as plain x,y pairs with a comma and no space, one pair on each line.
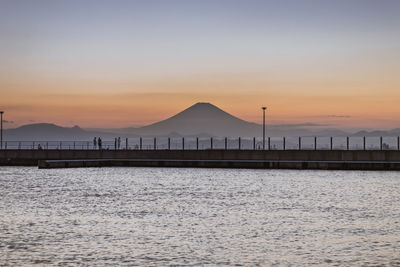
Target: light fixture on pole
1,129
264,108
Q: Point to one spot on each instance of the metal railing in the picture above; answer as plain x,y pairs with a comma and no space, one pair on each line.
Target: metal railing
194,143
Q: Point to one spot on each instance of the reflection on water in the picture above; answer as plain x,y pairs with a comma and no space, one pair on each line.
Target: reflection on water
145,216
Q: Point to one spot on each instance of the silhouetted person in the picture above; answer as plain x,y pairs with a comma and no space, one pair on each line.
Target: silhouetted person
95,143
115,143
119,142
99,142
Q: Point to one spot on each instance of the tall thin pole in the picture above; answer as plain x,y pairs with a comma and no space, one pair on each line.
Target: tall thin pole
315,143
364,142
1,131
264,108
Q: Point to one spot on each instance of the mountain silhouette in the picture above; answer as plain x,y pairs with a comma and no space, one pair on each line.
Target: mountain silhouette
202,118
50,132
393,132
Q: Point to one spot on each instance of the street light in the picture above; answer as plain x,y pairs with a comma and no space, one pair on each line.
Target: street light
1,129
264,108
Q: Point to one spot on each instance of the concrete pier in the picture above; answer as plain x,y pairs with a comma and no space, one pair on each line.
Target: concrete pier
288,159
248,164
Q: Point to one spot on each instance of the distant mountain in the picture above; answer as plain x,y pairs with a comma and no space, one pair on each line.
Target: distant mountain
205,119
50,132
394,132
202,118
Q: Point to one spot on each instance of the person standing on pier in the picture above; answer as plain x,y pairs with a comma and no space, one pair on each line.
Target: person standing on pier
119,142
99,142
94,143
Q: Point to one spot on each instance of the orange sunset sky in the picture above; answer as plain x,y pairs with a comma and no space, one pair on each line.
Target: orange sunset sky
131,63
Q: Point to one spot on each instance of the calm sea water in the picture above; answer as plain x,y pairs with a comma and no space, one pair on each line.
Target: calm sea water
161,217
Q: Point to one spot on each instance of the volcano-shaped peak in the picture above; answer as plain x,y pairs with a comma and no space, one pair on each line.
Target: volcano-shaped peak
201,117
204,108
202,105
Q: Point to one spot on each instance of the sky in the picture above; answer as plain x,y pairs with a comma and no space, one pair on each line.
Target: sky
127,63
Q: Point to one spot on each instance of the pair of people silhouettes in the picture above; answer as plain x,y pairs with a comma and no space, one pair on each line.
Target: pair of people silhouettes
97,142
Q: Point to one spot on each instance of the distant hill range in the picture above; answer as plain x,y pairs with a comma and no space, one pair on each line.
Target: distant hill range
51,132
201,119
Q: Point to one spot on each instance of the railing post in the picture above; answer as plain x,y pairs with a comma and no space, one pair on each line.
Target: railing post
299,142
47,145
398,142
331,142
381,143
197,143
6,145
240,141
254,143
74,145
315,143
60,145
155,143
364,143
269,143
284,143
348,142
211,142
19,145
140,143
183,143
169,143
226,143
126,143
33,145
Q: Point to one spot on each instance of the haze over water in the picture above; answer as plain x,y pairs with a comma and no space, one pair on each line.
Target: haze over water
147,216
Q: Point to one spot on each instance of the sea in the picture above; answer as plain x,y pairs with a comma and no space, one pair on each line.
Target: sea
198,217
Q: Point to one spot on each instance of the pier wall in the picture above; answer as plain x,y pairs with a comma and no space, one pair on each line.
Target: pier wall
386,159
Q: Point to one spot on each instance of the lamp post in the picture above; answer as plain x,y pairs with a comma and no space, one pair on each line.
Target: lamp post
1,129
264,108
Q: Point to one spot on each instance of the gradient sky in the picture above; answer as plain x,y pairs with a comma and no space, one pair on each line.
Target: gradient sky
128,63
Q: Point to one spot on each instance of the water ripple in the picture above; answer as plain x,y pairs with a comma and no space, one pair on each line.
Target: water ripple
192,217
